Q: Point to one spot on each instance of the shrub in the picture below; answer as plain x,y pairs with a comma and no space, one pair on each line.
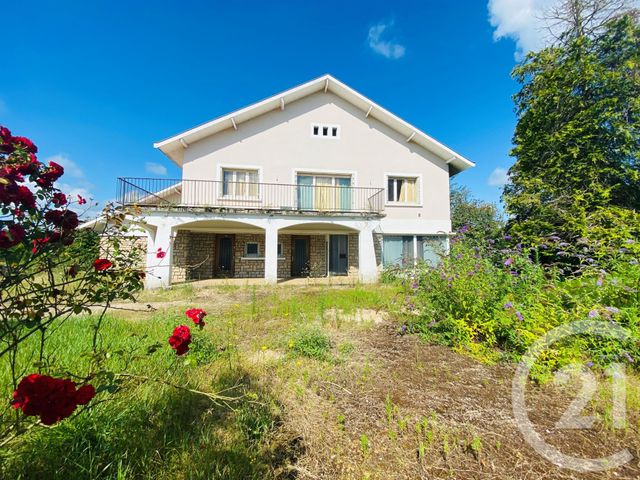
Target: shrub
494,302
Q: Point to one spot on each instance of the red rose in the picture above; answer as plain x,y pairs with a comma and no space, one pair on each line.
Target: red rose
13,235
65,219
160,253
197,315
5,135
102,264
180,339
26,144
53,173
38,243
81,200
59,199
18,194
52,399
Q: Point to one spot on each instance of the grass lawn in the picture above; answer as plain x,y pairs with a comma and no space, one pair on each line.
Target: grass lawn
326,387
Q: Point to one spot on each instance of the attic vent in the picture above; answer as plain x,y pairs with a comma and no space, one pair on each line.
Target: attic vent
325,131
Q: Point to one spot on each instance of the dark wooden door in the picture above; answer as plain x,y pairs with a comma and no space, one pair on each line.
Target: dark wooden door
300,262
338,254
224,258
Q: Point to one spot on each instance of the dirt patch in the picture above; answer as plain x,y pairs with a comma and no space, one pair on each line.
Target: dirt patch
401,408
361,315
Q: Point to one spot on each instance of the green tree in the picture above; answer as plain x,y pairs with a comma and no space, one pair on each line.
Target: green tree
481,220
577,142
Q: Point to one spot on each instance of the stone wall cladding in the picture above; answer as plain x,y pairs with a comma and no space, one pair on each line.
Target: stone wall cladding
248,267
201,255
138,243
317,256
284,262
352,249
179,259
377,246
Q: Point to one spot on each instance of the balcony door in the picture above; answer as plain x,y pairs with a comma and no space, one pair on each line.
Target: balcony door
324,193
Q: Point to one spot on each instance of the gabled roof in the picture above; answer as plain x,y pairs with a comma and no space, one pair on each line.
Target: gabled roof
173,147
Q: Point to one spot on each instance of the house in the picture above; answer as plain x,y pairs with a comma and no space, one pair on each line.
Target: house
314,181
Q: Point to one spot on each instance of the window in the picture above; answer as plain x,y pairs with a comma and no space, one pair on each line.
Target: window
324,192
280,254
240,183
399,250
251,249
402,189
325,131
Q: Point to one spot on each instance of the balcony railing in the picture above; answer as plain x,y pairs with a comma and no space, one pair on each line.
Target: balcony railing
166,193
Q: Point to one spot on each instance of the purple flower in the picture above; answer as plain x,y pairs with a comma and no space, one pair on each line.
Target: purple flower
599,282
555,238
431,323
508,262
508,305
561,253
403,329
414,285
471,274
628,357
514,273
519,315
593,314
459,256
507,237
590,260
589,364
464,229
629,241
491,241
612,310
633,261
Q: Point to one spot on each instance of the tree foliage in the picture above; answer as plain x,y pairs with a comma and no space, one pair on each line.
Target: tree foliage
480,219
577,142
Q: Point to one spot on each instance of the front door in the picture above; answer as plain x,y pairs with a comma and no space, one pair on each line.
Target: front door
224,263
300,263
338,255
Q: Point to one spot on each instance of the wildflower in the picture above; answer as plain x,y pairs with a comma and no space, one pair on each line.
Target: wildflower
508,305
612,310
507,237
563,244
81,200
491,241
589,364
508,262
599,282
197,315
403,329
593,314
628,357
431,323
160,253
629,241
102,264
51,399
263,348
519,316
180,339
414,285
464,229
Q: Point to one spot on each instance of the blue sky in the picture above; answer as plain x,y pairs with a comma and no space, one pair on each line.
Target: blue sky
94,84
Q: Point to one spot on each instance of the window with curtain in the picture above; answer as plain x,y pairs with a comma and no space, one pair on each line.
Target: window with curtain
397,250
402,189
324,192
240,183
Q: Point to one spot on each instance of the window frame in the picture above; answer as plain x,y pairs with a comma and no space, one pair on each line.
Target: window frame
403,176
235,169
330,127
246,250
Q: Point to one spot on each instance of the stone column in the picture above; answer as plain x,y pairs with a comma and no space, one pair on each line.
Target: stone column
271,253
159,269
367,268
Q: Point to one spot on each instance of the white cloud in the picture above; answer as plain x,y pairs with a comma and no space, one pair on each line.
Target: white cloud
521,20
387,48
498,178
155,168
74,181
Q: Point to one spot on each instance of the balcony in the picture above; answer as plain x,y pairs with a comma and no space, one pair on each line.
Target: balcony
160,193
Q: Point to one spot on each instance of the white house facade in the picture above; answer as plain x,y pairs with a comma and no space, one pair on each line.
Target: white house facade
315,181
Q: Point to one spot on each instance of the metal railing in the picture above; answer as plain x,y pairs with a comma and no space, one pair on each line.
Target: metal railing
168,193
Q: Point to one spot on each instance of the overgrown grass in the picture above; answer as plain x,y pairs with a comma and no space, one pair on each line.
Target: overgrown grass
148,429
